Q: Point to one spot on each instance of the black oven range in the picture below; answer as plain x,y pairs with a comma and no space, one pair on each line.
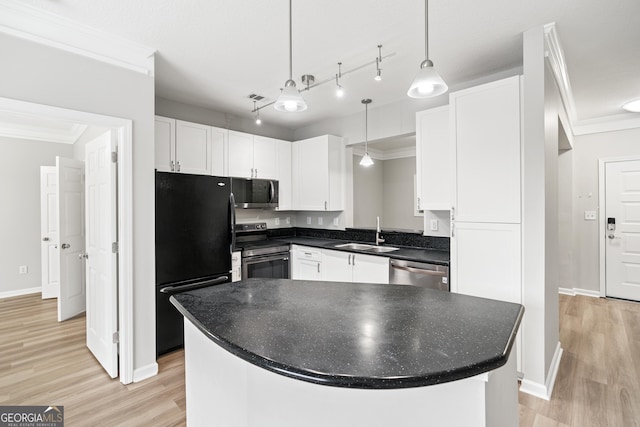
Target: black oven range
261,256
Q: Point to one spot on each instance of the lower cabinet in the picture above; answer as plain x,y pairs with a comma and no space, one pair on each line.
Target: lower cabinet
306,263
341,266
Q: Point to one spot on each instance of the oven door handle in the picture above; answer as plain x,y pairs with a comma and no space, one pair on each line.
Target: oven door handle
257,259
171,290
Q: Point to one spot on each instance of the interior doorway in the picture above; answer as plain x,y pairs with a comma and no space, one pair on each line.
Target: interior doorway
122,131
619,200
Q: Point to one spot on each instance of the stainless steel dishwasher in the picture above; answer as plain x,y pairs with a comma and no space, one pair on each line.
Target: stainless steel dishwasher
419,274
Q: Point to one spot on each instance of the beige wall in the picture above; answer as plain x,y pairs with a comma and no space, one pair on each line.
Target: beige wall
587,151
20,212
368,189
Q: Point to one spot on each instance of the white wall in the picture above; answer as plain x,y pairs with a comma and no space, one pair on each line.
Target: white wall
192,113
20,213
368,193
49,76
588,149
565,220
399,195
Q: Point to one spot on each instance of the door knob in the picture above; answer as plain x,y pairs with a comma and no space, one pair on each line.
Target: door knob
45,239
65,246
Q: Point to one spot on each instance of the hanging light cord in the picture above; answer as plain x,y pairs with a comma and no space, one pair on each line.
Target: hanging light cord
426,29
366,128
290,44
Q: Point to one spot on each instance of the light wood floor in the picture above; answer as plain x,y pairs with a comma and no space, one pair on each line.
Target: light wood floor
44,362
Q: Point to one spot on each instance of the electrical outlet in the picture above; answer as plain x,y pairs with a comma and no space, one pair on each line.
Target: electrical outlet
320,220
277,221
287,220
336,221
308,220
434,225
23,269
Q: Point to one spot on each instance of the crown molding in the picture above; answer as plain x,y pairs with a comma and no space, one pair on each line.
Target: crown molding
43,134
30,23
555,57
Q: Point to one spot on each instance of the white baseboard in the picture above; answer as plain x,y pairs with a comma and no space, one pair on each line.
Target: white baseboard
545,390
577,291
145,372
19,292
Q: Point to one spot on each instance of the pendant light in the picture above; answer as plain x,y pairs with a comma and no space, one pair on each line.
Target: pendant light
257,110
339,88
427,82
366,159
290,100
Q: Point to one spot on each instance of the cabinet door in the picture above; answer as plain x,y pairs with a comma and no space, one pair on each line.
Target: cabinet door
218,142
240,154
433,159
486,260
193,148
486,131
283,165
310,174
264,158
165,144
370,269
337,266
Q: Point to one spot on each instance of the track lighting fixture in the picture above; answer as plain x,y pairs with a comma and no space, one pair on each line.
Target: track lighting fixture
257,110
427,82
339,88
290,99
366,159
378,76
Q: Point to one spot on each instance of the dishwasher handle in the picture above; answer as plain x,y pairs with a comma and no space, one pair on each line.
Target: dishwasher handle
419,270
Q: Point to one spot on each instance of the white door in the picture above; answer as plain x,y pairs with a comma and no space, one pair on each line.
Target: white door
264,158
622,242
193,148
240,154
337,266
165,144
49,232
101,259
370,269
70,183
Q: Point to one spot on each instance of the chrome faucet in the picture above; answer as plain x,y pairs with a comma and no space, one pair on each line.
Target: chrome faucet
379,238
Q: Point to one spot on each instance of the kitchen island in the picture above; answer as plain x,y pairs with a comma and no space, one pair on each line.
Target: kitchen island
275,352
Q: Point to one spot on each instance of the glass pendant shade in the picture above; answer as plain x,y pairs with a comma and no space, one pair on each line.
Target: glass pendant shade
290,100
632,106
366,160
427,82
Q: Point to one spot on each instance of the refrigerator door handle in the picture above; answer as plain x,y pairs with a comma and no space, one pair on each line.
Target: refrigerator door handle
170,290
232,206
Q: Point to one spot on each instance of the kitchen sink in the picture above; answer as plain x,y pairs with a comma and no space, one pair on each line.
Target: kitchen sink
355,246
365,247
382,249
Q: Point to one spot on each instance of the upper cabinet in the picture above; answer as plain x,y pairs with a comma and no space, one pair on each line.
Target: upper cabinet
283,172
188,147
434,159
318,174
485,126
251,156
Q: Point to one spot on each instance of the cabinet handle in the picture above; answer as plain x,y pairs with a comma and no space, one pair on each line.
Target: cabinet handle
256,173
353,261
349,259
418,203
453,213
173,166
178,166
453,229
325,205
318,267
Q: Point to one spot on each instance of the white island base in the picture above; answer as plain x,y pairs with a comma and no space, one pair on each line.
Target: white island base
224,390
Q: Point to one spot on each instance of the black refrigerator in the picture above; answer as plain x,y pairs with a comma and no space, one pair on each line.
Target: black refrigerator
194,226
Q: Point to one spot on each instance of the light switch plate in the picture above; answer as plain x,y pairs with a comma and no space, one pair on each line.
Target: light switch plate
434,225
277,221
320,220
336,221
590,215
308,220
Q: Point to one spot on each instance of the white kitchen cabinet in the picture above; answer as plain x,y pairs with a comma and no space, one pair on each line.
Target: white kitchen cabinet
306,263
187,147
485,127
339,266
283,172
251,156
434,159
318,173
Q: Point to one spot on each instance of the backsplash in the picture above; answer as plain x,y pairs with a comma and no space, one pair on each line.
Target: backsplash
392,238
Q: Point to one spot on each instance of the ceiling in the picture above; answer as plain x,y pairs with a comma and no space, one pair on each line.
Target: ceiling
215,53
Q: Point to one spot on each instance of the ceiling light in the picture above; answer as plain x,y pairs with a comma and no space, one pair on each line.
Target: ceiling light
366,159
339,89
427,82
378,76
290,99
632,106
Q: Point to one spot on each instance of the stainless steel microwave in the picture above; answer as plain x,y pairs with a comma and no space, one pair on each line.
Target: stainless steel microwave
255,193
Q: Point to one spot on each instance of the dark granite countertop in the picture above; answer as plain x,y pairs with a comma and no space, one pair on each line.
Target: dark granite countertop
429,256
356,335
